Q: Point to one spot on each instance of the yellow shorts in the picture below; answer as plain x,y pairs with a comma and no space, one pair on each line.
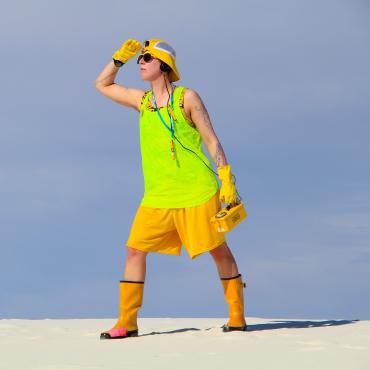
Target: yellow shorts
165,230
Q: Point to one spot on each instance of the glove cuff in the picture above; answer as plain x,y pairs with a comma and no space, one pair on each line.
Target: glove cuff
224,172
118,56
118,63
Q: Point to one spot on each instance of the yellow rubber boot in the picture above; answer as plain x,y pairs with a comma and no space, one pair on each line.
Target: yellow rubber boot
131,299
233,290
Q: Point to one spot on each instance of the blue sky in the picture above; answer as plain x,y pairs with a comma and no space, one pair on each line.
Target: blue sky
287,86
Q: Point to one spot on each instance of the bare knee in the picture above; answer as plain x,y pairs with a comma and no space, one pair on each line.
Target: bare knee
222,252
133,253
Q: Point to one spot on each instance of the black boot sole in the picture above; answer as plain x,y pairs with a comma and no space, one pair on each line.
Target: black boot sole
226,328
131,333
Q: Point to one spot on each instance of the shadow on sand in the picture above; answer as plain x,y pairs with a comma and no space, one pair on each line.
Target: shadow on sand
281,324
275,324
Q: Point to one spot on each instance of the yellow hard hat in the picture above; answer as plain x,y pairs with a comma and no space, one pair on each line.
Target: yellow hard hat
164,52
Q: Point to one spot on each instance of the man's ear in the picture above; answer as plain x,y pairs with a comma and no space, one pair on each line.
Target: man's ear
165,68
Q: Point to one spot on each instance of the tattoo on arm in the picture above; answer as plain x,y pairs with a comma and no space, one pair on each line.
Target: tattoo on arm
201,108
220,155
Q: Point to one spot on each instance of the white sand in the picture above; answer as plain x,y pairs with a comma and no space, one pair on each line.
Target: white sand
185,344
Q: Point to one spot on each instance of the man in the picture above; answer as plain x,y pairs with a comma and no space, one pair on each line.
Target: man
181,191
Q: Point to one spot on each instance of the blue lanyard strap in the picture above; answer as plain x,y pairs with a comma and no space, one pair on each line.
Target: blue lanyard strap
171,128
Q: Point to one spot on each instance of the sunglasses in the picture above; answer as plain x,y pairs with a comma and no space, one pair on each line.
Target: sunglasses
147,57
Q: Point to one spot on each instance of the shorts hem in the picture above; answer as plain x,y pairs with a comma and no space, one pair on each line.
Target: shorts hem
204,250
170,251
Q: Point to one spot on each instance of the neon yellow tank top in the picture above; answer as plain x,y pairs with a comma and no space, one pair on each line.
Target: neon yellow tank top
173,183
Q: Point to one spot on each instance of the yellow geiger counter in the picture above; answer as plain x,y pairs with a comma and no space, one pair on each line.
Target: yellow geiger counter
230,216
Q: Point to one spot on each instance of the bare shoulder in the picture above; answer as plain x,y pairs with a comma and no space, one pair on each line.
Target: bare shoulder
137,95
191,97
193,103
197,112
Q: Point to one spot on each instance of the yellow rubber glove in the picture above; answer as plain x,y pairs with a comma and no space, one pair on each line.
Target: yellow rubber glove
128,50
228,192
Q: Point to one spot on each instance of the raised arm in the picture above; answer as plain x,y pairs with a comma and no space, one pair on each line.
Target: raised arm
105,81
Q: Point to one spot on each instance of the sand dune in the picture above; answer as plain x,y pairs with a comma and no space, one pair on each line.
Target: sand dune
186,344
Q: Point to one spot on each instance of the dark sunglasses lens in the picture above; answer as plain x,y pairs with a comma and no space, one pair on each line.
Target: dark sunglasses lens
147,58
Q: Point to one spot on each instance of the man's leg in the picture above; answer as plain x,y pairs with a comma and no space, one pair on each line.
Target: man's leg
233,287
135,268
225,262
131,296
